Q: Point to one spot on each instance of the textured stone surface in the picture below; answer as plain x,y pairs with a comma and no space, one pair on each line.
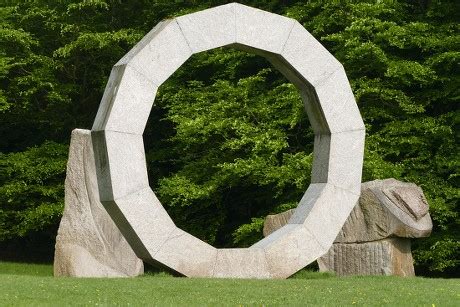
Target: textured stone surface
261,30
143,220
385,257
302,51
338,103
289,249
127,101
160,53
120,163
378,216
331,108
338,151
88,243
210,28
241,263
323,210
388,211
187,255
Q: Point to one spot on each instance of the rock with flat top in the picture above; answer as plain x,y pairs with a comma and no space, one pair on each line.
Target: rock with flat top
88,243
375,239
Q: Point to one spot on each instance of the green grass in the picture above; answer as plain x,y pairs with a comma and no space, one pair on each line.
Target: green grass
26,284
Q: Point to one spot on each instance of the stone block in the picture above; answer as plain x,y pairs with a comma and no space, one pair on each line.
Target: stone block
143,221
209,29
308,57
324,215
160,53
264,31
307,203
241,263
369,242
391,256
88,243
290,249
338,159
338,103
187,255
120,164
346,160
127,101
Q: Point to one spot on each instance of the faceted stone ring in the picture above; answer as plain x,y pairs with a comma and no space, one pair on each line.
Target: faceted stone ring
338,148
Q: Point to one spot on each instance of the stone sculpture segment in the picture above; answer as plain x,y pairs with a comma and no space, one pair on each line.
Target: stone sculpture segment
261,30
288,249
330,105
209,29
187,255
158,58
127,101
121,162
375,237
88,243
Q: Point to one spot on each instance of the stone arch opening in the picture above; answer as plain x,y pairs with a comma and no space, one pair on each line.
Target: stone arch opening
229,125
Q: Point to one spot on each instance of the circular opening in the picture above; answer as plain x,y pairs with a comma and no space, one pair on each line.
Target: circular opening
228,142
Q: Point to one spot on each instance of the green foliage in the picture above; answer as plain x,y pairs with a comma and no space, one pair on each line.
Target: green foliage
237,150
228,141
31,190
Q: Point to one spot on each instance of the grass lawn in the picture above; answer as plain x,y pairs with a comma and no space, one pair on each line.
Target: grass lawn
30,284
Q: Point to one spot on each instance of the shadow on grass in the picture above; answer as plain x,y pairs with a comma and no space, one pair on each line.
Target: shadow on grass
309,274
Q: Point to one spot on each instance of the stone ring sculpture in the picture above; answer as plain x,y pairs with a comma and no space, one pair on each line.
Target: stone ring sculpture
338,147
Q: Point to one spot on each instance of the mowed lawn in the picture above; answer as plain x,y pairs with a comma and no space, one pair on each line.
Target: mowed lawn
28,284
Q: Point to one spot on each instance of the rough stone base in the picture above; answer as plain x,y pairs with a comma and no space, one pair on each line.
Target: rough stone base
88,243
385,257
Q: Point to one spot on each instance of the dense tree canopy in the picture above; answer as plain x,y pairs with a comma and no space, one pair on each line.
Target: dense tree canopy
228,140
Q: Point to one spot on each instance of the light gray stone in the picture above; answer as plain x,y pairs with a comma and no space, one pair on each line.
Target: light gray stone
88,243
241,263
143,220
127,101
187,255
335,159
290,249
209,29
120,158
325,216
344,168
261,30
163,51
338,103
120,164
308,57
390,256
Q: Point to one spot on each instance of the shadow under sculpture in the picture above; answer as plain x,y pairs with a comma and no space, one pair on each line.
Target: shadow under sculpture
331,108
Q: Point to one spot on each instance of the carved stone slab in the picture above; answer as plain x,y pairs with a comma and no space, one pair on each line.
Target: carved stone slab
89,243
373,239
